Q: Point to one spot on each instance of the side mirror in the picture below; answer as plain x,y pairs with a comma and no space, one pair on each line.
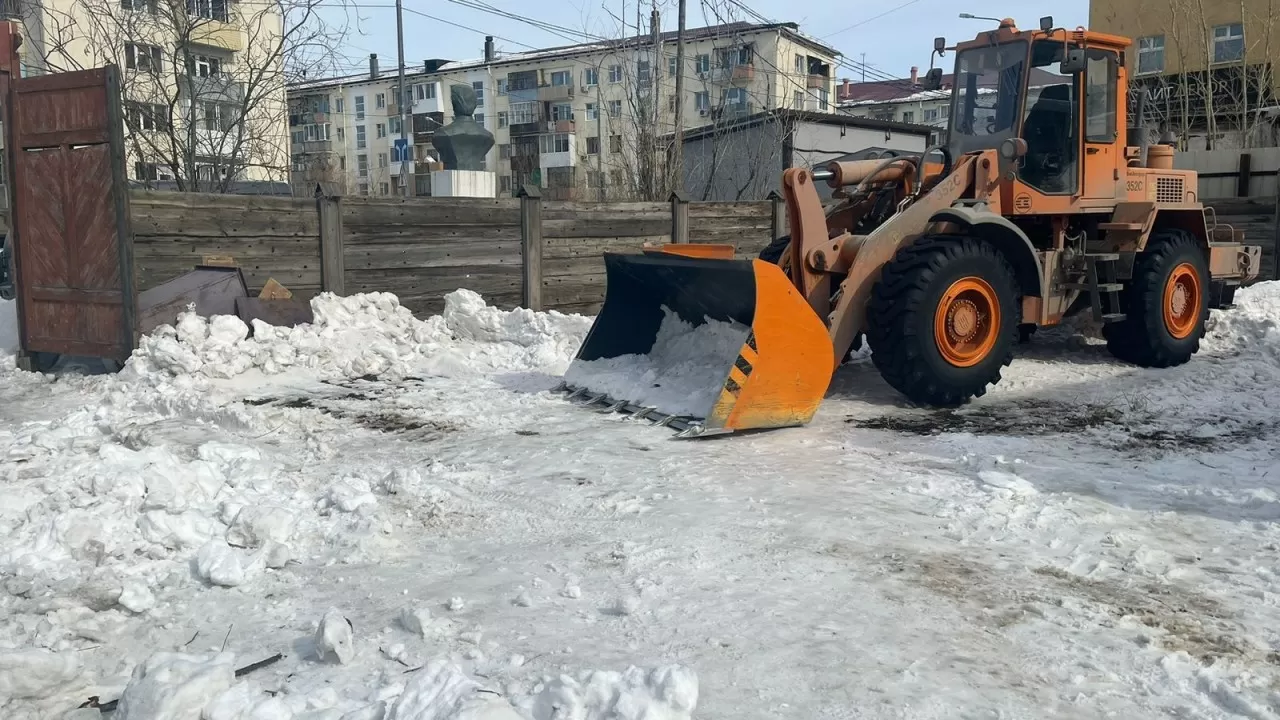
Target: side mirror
1046,23
939,45
933,79
1075,62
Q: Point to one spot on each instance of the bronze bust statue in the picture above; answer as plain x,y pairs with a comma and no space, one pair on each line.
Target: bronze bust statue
463,143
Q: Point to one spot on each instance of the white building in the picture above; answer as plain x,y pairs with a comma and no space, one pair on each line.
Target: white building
578,121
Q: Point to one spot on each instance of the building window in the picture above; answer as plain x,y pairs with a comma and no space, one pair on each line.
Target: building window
1151,54
642,71
147,117
363,188
424,91
380,130
208,9
382,160
733,57
147,58
702,65
502,86
672,67
702,101
615,74
932,115
362,166
591,77
478,86
802,67
342,134
554,143
908,116
797,100
342,162
145,171
736,98
592,111
338,105
561,78
615,143
503,119
380,101
522,113
615,108
1228,43
504,151
139,5
479,119
394,124
561,112
359,107
203,65
593,145
504,184
360,137
384,188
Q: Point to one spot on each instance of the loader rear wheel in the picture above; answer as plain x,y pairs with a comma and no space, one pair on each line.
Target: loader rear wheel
1166,303
944,319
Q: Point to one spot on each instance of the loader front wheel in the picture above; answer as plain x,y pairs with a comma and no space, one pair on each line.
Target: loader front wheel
944,319
1166,304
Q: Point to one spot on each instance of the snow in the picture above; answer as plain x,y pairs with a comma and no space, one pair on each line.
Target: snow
682,374
404,511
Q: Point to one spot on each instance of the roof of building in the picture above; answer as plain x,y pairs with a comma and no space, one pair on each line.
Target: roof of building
809,116
691,35
902,89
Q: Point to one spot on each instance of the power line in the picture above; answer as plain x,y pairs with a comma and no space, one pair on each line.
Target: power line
860,23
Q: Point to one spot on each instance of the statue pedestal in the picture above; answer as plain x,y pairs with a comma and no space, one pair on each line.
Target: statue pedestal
464,183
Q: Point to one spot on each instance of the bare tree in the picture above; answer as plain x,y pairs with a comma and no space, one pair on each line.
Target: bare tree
203,81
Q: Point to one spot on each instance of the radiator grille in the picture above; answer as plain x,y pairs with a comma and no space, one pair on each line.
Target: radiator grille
1169,189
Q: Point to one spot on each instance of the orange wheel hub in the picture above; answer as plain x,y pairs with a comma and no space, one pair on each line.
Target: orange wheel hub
967,322
1182,301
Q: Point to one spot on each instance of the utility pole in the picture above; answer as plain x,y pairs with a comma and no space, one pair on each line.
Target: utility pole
864,65
407,181
675,157
655,76
600,151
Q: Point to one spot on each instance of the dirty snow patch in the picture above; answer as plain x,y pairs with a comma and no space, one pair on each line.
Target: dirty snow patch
683,373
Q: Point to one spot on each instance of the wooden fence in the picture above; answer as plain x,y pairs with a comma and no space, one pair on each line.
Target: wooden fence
1258,219
267,236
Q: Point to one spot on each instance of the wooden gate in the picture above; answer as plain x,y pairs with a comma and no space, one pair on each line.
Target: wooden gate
73,249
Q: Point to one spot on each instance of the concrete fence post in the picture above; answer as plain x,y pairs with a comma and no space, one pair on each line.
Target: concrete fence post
679,217
778,215
332,254
531,246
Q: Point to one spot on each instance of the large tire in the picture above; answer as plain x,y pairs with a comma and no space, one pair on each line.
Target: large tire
944,319
1165,304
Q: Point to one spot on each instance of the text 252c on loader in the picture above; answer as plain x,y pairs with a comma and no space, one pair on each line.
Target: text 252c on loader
1034,207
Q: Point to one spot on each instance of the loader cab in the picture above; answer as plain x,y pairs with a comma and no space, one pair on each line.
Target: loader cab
1057,91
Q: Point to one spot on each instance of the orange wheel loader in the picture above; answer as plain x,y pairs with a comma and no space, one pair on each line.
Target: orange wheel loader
1033,207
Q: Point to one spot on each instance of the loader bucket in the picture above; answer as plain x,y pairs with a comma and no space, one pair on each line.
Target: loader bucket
706,345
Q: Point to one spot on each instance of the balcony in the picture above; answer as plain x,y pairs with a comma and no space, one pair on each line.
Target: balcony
553,93
736,74
817,81
527,128
221,35
428,104
315,146
561,126
218,88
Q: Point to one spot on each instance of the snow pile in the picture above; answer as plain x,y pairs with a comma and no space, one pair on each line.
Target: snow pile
360,335
441,691
682,374
34,672
1253,324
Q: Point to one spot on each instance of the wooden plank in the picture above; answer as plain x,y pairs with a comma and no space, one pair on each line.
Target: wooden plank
620,228
489,204
198,248
332,245
758,208
568,208
228,222
531,250
356,216
401,256
429,233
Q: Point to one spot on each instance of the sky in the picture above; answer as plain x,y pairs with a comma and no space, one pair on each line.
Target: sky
893,34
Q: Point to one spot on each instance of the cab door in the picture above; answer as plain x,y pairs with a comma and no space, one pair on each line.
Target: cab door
1102,153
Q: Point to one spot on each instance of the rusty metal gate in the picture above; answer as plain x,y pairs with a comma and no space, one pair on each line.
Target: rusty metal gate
73,255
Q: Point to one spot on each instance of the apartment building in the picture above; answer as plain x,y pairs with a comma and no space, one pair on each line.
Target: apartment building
192,117
581,121
1206,69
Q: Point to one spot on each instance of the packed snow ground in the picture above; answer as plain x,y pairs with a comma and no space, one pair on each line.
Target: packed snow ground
404,512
